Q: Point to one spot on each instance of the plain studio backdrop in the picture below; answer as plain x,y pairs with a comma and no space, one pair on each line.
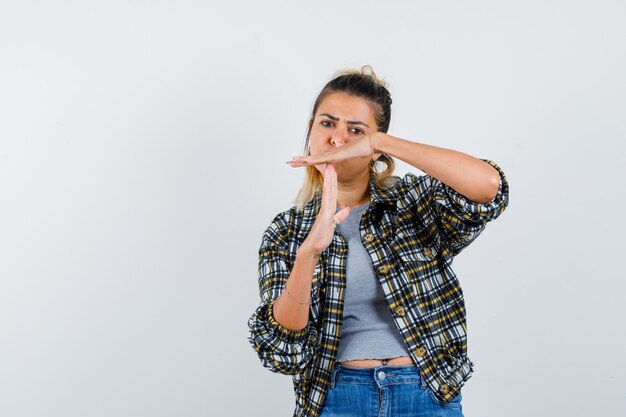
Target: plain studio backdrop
142,155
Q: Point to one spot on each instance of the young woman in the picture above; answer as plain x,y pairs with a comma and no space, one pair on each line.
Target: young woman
359,301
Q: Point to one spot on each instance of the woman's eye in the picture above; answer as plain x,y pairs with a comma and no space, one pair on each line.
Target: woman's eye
357,131
326,123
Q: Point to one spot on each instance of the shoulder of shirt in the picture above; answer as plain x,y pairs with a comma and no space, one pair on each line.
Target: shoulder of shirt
411,176
410,180
406,178
286,215
284,220
396,186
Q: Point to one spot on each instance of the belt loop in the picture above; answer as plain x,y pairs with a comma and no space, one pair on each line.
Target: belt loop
336,368
423,382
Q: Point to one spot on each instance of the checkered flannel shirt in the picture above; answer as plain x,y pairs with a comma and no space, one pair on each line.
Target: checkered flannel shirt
411,231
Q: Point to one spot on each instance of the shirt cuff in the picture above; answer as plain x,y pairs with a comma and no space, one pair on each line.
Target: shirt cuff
284,333
472,210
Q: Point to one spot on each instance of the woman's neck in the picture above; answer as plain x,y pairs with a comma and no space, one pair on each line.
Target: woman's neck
353,194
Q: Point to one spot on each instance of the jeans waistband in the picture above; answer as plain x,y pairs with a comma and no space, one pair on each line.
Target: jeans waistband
380,375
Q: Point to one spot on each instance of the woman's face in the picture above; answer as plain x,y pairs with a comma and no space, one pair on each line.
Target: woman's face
341,118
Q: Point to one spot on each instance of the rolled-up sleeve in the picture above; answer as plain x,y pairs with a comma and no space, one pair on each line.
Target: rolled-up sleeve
459,219
280,349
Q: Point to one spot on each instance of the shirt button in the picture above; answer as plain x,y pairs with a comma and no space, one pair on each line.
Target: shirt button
420,351
400,311
368,237
381,375
383,269
428,252
444,388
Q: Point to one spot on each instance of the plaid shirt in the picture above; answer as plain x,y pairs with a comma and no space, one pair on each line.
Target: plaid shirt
411,231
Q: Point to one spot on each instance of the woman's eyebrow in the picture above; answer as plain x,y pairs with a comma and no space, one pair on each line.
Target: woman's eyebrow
351,122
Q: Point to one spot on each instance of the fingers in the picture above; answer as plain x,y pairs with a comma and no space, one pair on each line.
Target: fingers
342,215
324,157
298,161
301,161
329,190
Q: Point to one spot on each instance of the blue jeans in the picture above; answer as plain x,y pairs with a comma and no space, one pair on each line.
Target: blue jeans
384,391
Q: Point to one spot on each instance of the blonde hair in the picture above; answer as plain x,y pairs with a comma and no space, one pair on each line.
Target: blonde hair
360,83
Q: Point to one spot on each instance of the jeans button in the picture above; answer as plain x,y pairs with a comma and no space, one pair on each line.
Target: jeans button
381,375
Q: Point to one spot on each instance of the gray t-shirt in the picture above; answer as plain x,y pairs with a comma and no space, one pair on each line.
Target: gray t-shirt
367,330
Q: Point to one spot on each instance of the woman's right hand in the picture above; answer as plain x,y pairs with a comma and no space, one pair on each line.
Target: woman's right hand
323,229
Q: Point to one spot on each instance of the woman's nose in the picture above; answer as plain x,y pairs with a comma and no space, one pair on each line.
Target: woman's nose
339,137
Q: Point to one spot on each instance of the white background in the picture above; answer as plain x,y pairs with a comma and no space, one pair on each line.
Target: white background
142,154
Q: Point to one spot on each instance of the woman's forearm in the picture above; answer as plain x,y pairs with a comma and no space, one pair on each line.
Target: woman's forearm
288,312
471,177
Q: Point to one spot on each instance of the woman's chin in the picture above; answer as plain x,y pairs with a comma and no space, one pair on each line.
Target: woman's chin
321,167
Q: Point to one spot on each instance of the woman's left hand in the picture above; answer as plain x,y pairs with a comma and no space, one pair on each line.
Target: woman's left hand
356,148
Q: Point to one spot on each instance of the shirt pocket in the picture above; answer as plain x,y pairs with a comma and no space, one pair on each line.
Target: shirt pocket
415,255
421,269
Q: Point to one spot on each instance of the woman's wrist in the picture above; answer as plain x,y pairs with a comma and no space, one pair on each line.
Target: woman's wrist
307,252
377,140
